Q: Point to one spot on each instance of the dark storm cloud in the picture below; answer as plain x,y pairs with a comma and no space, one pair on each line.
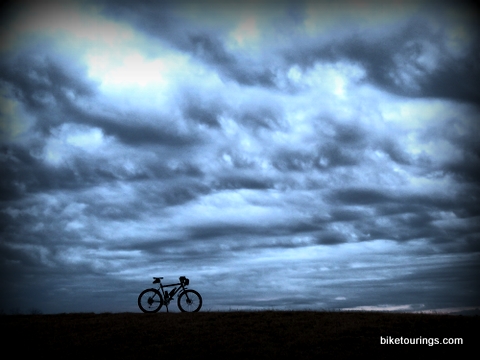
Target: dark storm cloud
208,48
52,90
405,218
400,59
162,21
240,181
330,238
176,195
262,116
359,196
342,146
394,60
467,167
41,81
136,133
329,155
247,231
24,174
204,114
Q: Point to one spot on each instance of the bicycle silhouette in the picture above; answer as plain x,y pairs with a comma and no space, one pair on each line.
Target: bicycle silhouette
151,300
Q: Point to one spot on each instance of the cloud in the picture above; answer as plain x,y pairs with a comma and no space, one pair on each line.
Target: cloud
281,148
39,82
413,57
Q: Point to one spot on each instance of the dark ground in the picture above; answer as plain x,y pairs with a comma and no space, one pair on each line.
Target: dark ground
257,334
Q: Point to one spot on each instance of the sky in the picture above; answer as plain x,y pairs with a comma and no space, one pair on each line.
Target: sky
282,155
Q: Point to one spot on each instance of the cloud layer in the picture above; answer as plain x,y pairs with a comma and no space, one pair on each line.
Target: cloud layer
303,155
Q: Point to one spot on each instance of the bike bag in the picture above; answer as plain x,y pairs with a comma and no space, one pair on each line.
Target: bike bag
184,280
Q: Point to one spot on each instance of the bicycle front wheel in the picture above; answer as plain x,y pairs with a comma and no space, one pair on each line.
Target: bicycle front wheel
189,301
150,301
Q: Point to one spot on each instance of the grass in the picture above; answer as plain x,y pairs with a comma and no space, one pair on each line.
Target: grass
245,334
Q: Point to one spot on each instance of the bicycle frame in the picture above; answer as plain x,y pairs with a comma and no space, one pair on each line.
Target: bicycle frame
168,296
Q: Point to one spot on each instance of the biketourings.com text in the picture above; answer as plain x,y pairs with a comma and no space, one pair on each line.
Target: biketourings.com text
390,340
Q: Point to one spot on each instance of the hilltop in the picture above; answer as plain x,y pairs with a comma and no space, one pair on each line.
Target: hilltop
269,334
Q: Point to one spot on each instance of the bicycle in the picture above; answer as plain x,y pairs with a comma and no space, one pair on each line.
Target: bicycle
151,300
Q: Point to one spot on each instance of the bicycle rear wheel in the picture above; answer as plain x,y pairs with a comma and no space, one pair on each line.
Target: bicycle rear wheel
189,301
150,301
